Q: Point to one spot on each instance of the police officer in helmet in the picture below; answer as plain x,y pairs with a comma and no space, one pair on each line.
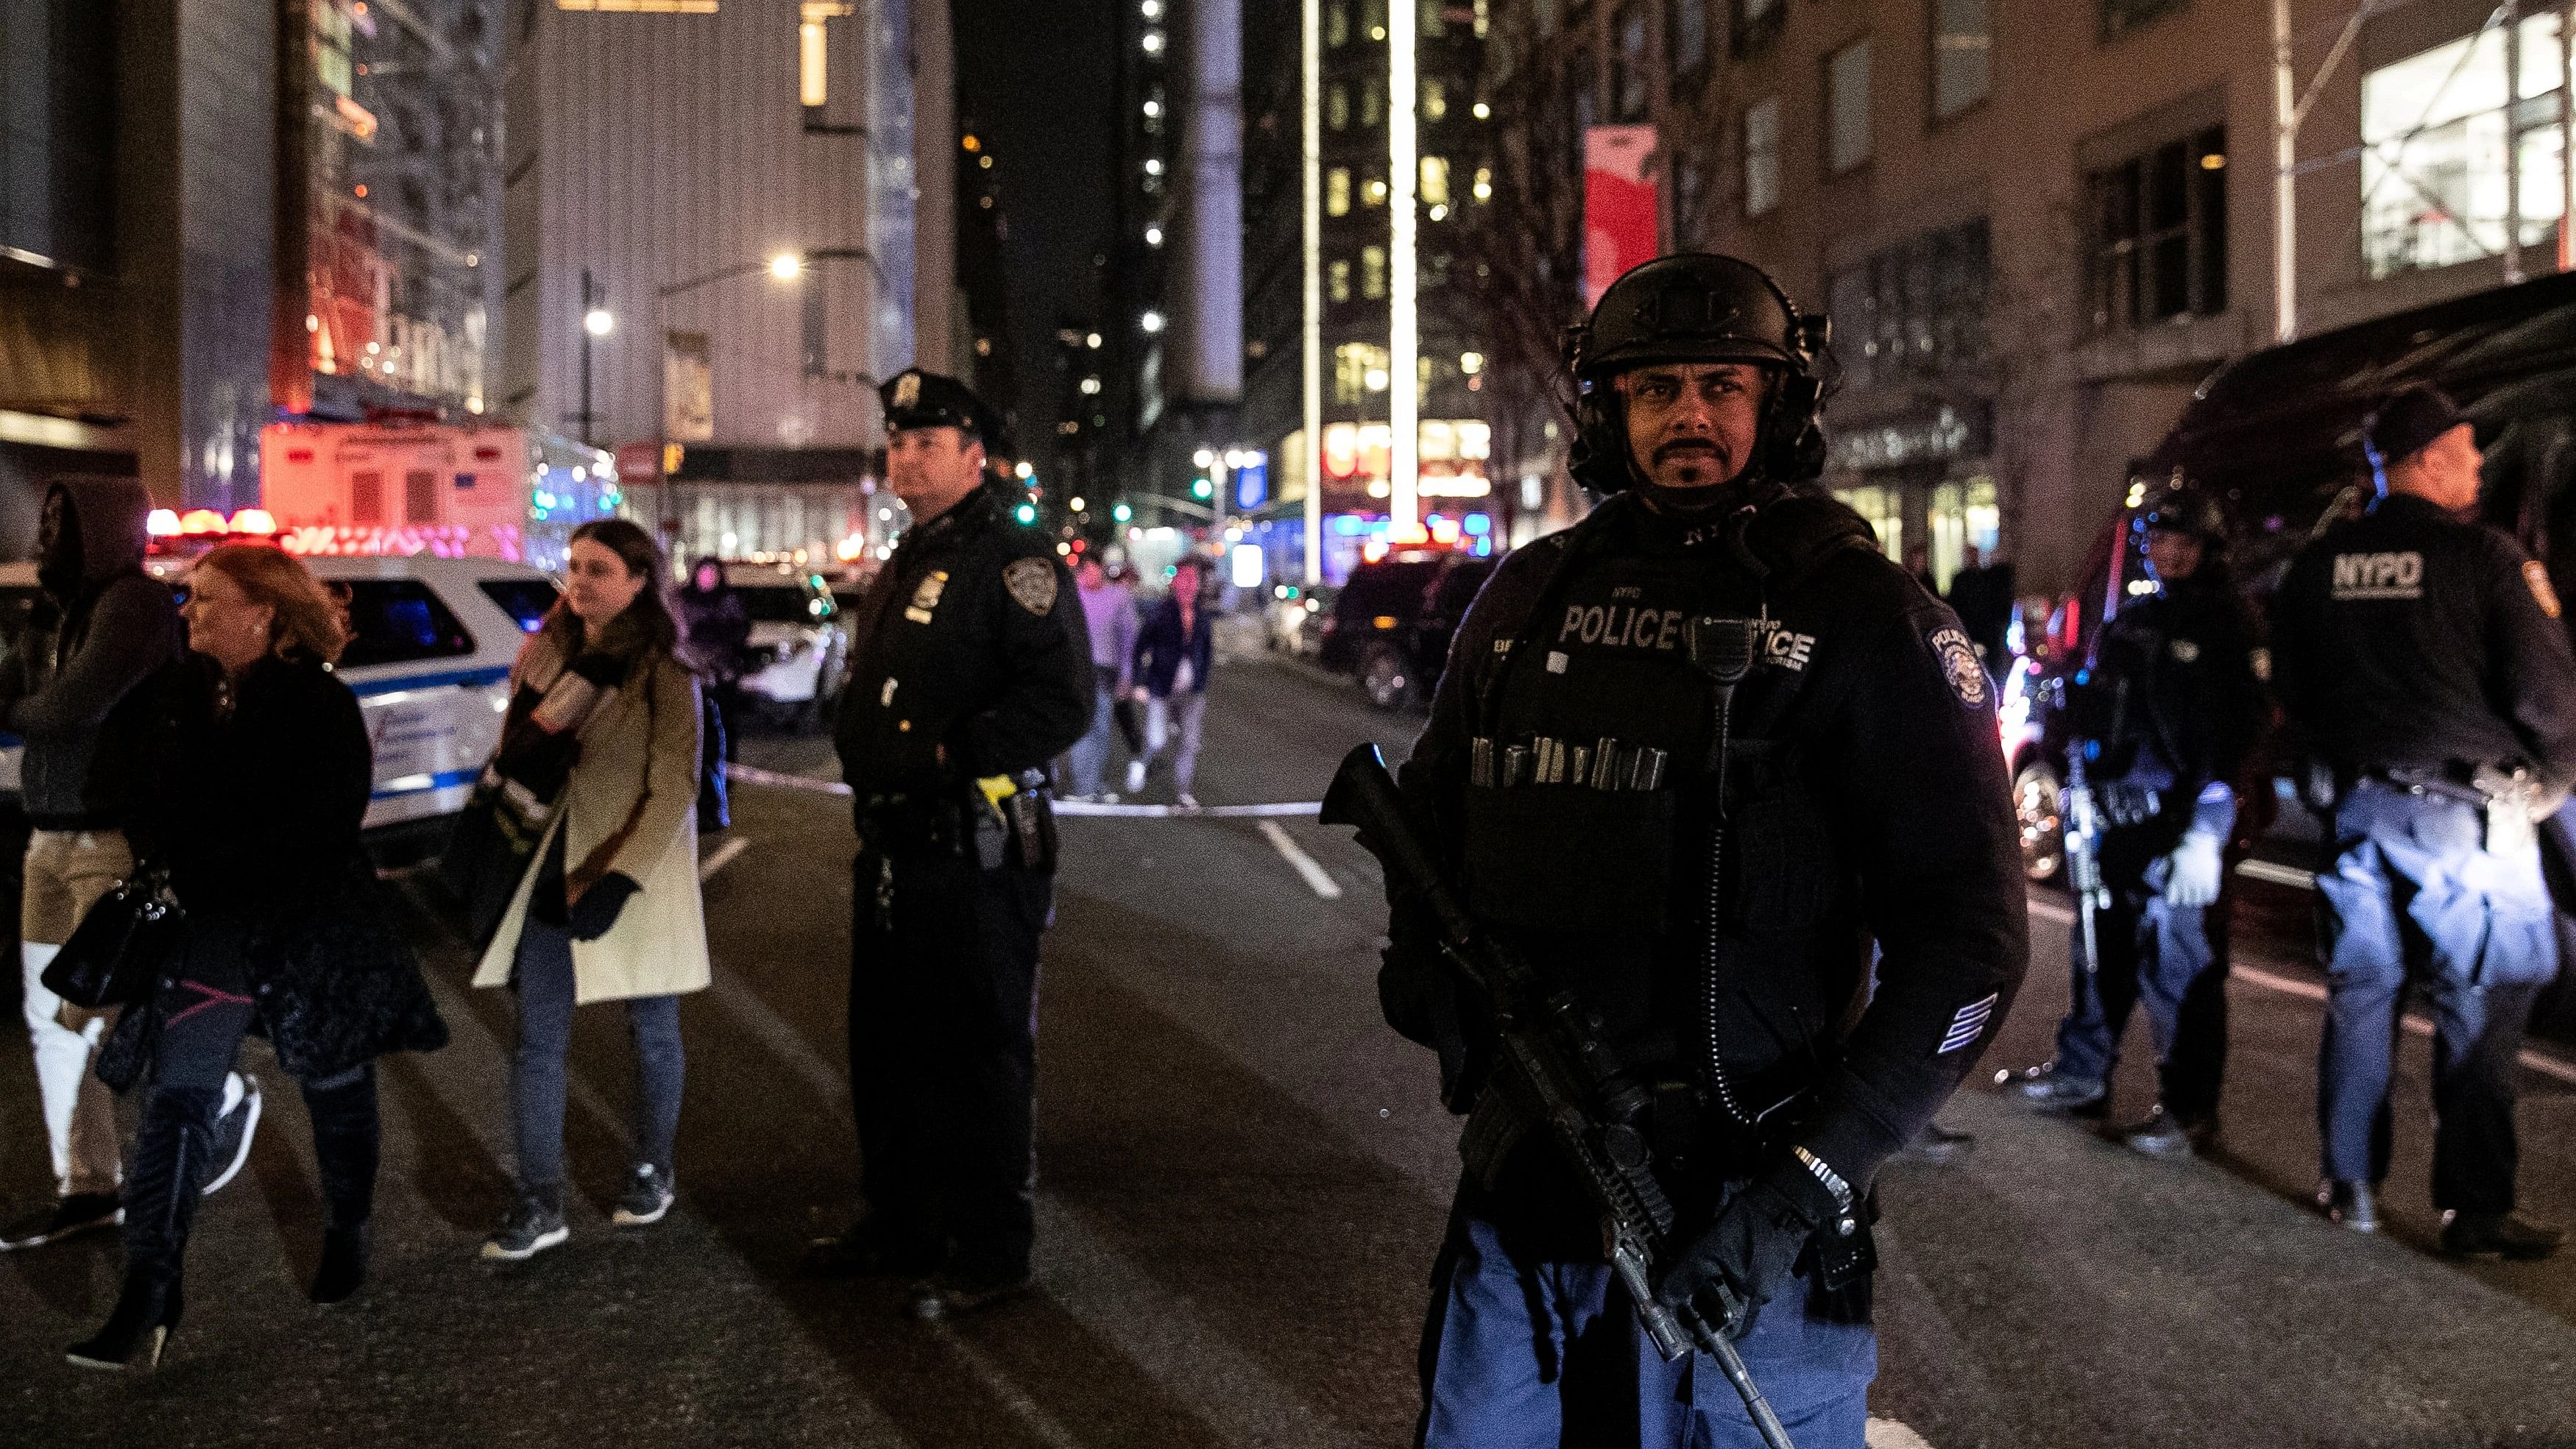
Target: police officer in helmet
1692,756
970,668
2167,713
2421,657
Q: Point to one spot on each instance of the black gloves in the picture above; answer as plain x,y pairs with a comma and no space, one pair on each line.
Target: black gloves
598,907
1753,1246
605,670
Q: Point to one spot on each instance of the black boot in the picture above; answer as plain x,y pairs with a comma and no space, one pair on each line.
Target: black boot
172,1148
345,1145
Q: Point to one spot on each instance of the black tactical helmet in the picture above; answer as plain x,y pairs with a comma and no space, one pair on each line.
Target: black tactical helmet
1699,307
2186,510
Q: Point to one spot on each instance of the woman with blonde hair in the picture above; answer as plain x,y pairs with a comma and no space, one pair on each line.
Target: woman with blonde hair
599,757
261,777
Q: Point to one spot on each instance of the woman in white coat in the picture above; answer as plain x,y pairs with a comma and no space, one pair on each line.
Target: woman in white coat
603,723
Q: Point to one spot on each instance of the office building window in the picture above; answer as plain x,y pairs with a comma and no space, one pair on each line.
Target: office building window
1337,281
2436,131
1757,24
1628,97
1337,22
1353,363
1435,100
2157,243
1690,195
1337,191
1847,108
1686,35
1484,187
1963,57
1435,181
1337,108
1914,310
1372,272
1434,19
1762,157
1373,190
1585,84
1372,102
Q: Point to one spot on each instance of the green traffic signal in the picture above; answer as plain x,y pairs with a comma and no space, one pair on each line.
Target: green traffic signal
1122,513
1027,512
1202,488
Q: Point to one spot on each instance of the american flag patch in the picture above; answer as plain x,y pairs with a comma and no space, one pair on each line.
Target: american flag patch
1970,1021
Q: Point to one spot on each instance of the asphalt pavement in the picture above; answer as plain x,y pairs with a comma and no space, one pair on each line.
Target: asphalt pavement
1243,1176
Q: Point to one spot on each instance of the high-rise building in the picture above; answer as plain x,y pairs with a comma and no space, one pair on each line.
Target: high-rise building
727,220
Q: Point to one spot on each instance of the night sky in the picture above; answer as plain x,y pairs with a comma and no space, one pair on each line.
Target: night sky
1036,78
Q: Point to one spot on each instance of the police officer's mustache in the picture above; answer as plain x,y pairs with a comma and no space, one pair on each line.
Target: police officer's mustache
1680,447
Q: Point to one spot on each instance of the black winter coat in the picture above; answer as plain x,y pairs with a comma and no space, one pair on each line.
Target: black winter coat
256,816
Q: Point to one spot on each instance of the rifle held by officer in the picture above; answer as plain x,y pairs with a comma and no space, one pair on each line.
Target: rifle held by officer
1553,1071
2083,831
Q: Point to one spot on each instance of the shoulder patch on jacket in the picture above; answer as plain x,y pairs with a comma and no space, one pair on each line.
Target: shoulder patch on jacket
1032,584
1959,665
2536,574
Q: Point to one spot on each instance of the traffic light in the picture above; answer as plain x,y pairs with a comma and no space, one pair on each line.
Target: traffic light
1026,513
1122,513
1202,488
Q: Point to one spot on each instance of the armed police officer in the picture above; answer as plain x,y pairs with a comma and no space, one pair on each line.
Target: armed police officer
2422,657
2166,713
970,670
1689,757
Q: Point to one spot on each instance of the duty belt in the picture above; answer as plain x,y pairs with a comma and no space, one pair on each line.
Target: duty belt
2506,799
1602,764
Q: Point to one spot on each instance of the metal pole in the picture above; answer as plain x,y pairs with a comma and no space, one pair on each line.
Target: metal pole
584,324
2567,138
1404,340
2512,141
1311,465
2285,181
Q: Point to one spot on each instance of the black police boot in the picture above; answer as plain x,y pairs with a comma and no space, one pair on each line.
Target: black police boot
1937,1146
2350,1204
346,1145
2169,1134
2047,1089
2505,1235
172,1149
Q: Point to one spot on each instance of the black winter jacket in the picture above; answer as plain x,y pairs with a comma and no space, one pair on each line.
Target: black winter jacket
256,814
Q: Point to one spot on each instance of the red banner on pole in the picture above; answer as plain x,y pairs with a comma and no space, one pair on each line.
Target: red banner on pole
1619,211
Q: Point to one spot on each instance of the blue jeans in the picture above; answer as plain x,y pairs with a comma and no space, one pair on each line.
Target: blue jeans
1527,1354
542,976
1090,754
2170,959
2414,895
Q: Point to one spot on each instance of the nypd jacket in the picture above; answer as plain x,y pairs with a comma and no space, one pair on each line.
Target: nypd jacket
1865,801
971,659
2412,639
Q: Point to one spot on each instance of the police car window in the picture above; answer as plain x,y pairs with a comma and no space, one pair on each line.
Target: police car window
397,621
525,600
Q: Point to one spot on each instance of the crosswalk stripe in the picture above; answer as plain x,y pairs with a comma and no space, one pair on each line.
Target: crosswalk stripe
1317,879
1889,1434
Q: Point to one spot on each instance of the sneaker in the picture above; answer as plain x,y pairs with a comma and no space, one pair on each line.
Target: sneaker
952,1295
1135,776
2165,1134
1937,1146
2502,1235
867,1251
2351,1205
2047,1089
66,1217
234,1128
646,1199
536,1223
1187,801
1108,797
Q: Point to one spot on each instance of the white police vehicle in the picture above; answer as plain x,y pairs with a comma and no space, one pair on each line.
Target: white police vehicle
798,652
430,647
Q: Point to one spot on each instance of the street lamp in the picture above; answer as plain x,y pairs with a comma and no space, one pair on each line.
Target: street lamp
598,322
786,266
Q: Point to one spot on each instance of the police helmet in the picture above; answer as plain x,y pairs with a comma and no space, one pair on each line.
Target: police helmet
2186,510
1700,307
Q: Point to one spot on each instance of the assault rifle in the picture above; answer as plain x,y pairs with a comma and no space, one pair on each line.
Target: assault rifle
2083,862
1553,1072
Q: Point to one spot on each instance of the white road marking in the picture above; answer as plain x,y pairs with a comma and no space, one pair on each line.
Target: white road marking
725,855
1889,1434
989,1376
1324,885
2547,1066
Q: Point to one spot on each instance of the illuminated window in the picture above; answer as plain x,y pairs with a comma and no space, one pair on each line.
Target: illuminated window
1484,183
2437,129
642,7
1337,191
813,63
1435,181
1375,192
1372,102
1337,108
1962,55
1337,281
1337,22
1372,272
1762,157
1847,138
1435,100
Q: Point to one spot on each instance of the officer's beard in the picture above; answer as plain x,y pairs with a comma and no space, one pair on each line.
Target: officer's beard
1692,501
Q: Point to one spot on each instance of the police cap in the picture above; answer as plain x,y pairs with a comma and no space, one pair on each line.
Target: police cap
2186,510
2409,420
917,399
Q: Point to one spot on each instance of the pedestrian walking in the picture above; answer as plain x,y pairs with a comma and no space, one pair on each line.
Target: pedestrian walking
2422,659
1174,654
1690,756
718,629
970,670
1981,594
2167,717
256,787
73,692
1109,612
603,733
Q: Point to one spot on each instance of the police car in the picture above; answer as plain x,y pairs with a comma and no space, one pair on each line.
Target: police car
798,651
430,646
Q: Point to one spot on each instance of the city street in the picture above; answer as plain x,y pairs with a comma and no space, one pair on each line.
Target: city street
1242,1178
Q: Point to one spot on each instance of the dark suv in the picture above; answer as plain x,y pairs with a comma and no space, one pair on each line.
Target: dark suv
1391,624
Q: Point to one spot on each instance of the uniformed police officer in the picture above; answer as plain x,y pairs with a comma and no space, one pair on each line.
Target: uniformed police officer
2420,653
1704,851
970,669
2167,713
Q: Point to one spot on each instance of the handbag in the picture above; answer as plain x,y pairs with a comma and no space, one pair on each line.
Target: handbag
116,953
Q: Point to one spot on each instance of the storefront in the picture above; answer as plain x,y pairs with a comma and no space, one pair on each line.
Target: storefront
1924,481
